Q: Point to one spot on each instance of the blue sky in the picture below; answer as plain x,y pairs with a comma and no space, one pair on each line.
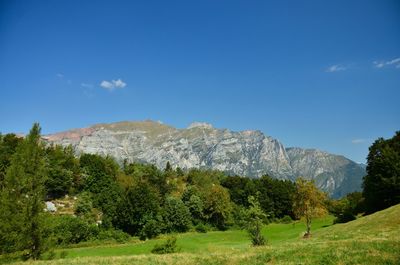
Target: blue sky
315,74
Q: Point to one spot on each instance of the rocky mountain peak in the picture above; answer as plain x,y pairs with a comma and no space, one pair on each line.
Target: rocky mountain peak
201,125
248,153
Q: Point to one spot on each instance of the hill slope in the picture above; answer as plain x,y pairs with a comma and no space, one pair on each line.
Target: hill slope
374,239
246,153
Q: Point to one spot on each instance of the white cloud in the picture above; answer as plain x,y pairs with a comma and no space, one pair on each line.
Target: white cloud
394,62
119,83
107,85
60,75
358,141
113,84
379,64
336,68
86,85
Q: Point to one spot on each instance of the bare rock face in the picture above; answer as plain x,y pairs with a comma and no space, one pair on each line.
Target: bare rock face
334,174
246,153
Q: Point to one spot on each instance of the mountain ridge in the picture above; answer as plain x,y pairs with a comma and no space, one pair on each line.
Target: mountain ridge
248,153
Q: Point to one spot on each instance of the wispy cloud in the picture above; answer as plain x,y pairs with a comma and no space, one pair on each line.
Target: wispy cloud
358,141
63,78
394,62
336,68
113,84
86,85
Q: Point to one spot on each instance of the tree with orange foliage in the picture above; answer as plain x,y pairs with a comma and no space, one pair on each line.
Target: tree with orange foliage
308,202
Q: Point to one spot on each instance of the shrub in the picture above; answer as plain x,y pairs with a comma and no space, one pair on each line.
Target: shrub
201,228
168,246
72,230
286,219
257,239
344,217
63,254
240,216
255,224
83,205
112,234
151,229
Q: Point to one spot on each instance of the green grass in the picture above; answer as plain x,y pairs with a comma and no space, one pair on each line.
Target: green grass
373,239
204,242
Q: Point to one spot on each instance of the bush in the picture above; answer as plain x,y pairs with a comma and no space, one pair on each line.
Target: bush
257,239
344,218
72,230
239,214
286,219
63,254
151,229
168,246
201,228
111,234
83,205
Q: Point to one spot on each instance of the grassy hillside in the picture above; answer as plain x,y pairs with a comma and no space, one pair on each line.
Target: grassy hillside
373,239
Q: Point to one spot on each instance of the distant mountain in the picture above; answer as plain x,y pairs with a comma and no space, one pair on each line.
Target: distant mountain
332,173
245,153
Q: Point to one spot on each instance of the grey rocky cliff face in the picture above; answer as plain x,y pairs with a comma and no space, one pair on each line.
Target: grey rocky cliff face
246,153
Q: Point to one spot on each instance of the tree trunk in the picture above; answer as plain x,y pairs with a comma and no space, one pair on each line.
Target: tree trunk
308,224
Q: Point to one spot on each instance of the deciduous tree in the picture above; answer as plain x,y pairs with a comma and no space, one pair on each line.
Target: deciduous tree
218,207
308,202
381,187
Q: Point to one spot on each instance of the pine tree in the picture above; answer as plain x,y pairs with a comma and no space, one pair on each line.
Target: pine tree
23,198
168,167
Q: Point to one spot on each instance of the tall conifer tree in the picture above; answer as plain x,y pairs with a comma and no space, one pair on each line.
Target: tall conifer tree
23,198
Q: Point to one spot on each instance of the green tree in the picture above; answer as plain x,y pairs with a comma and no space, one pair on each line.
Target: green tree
176,215
23,197
308,202
346,209
8,145
240,188
140,205
275,196
255,216
63,168
218,207
84,208
381,186
196,208
150,174
100,175
168,167
191,197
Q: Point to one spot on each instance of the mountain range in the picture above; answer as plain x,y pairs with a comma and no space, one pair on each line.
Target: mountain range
247,153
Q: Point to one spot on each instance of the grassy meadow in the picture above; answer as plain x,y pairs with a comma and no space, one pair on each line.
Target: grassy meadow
373,239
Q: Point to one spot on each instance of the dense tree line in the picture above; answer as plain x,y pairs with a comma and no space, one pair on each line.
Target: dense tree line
381,186
117,200
133,199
